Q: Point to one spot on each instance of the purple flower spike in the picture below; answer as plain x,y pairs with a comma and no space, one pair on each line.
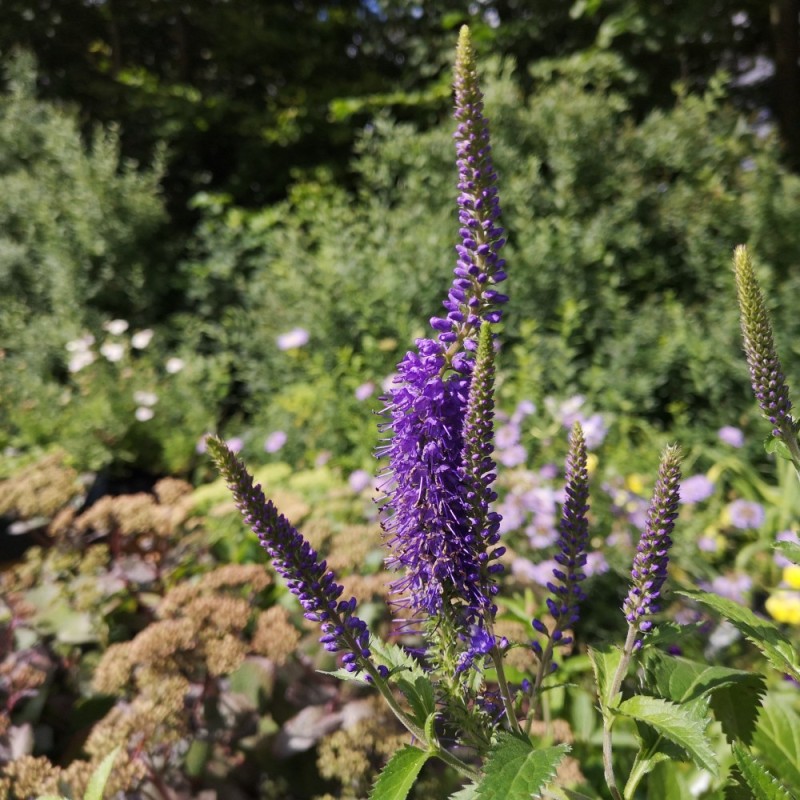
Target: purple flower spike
766,373
297,562
437,521
573,543
652,553
442,529
478,268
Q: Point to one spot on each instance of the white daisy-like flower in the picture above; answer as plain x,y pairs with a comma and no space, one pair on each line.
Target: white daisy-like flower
116,327
145,398
113,351
143,413
174,365
141,339
81,359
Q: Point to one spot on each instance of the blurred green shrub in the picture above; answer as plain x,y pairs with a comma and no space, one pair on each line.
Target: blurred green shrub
619,261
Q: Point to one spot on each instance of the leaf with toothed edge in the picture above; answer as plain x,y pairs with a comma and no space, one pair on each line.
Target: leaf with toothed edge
515,771
759,779
399,775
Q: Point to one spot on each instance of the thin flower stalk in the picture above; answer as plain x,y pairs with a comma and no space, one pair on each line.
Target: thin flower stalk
648,574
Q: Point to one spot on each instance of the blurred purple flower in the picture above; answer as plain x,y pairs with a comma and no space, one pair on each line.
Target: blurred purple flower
785,536
542,535
506,436
524,409
364,391
200,447
708,544
594,430
730,435
359,480
235,444
514,456
696,488
274,442
746,514
297,337
541,573
549,472
733,586
596,563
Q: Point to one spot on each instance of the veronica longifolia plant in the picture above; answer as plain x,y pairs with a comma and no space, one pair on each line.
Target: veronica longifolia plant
442,533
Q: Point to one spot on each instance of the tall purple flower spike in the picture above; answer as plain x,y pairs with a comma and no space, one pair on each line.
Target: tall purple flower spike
427,515
297,562
573,543
652,553
479,267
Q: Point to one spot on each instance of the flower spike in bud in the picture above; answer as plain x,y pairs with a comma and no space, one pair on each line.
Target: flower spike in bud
652,554
766,373
294,559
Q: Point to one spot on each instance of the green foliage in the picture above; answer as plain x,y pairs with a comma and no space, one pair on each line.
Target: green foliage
515,770
399,775
675,723
763,634
618,266
777,738
757,777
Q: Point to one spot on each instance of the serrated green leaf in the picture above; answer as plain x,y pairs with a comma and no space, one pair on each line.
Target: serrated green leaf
515,771
398,776
469,792
419,694
790,550
736,708
762,633
777,738
762,783
395,658
344,675
735,695
681,680
674,723
604,664
97,783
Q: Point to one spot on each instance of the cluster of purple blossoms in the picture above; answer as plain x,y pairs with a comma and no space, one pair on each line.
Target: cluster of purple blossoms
766,373
296,561
573,543
431,505
652,553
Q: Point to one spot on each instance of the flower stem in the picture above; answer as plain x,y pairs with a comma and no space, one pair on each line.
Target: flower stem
608,717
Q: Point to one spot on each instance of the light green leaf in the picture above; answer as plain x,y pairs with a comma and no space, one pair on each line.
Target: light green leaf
761,782
469,792
762,633
398,776
674,723
395,658
777,739
515,771
790,550
344,675
667,783
94,790
604,664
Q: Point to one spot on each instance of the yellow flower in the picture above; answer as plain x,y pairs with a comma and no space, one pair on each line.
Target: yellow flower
635,484
784,607
791,576
591,463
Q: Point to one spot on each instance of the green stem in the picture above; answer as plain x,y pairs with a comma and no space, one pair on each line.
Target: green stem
505,692
608,717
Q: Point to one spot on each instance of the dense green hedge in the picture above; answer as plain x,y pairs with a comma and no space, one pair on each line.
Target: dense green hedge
620,235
